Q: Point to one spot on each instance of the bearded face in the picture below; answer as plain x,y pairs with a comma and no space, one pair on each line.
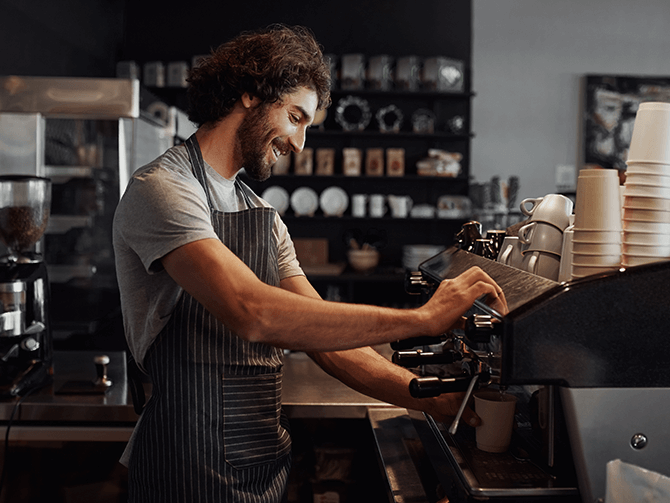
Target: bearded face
257,142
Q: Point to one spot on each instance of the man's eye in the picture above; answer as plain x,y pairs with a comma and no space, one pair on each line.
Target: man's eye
295,119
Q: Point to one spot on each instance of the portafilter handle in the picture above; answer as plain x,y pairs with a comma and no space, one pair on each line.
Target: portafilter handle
416,284
416,358
432,386
426,340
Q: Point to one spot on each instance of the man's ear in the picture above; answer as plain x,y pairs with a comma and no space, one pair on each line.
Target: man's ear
249,101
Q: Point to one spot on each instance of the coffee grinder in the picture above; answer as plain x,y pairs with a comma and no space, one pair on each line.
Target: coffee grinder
26,347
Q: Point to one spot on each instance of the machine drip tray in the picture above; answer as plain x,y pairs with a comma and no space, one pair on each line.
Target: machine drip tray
505,470
483,475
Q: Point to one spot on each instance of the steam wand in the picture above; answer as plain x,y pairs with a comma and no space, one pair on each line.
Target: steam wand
454,425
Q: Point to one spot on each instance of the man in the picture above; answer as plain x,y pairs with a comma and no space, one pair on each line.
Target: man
211,290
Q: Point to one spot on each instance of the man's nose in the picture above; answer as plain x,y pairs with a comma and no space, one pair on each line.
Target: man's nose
297,140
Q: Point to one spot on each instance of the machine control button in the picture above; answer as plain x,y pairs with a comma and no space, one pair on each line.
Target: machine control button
639,441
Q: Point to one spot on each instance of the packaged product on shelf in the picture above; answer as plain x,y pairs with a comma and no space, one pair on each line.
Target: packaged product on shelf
352,160
374,162
395,162
325,161
304,162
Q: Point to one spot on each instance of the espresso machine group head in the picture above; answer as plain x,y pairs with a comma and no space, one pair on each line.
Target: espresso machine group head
26,346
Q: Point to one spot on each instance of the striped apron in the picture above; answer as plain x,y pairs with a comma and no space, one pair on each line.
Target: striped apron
213,429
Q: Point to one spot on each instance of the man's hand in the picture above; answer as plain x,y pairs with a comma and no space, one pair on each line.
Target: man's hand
445,407
455,296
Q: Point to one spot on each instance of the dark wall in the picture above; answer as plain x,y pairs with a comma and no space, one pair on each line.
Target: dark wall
75,38
87,37
395,27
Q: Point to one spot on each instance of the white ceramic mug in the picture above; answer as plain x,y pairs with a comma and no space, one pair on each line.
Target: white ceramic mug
377,205
541,236
554,209
510,252
359,205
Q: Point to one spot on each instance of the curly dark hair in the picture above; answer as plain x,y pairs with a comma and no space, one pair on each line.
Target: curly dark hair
267,63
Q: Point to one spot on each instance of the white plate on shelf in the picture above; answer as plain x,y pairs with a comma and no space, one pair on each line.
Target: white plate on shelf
334,201
304,201
277,197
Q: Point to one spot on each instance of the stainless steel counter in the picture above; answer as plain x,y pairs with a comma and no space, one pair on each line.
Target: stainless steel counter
47,415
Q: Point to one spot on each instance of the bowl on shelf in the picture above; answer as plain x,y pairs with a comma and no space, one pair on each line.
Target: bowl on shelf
363,260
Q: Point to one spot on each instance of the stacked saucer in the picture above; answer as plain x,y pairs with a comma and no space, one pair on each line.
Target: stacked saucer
596,239
646,207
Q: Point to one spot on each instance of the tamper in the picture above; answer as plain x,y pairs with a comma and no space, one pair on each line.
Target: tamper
101,363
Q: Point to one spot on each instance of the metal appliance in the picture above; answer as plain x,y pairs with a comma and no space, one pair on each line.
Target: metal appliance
588,360
87,135
25,330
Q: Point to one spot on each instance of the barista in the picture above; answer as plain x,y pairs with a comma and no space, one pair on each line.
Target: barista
212,292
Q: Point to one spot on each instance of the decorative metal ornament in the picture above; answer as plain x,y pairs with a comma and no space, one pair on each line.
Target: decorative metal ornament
353,113
389,119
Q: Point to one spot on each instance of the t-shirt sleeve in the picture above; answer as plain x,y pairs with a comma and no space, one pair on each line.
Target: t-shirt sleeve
161,214
288,261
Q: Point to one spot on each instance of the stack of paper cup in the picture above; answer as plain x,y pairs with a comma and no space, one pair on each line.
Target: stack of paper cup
646,207
596,240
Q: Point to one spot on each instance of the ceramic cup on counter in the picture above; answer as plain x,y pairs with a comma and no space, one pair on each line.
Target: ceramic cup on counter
542,264
511,252
541,236
554,209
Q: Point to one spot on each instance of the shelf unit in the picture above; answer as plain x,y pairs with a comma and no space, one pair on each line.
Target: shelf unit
422,189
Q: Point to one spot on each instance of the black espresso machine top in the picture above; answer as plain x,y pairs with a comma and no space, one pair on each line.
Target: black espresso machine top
605,330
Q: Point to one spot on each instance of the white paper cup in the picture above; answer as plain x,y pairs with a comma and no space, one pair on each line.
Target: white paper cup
635,178
652,168
636,189
579,247
598,204
497,414
646,203
662,217
597,236
646,238
646,250
632,261
582,259
582,271
651,134
643,226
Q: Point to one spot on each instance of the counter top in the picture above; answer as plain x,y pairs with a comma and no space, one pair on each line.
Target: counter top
46,414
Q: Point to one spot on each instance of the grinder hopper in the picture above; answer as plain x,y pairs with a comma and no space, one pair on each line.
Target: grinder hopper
25,203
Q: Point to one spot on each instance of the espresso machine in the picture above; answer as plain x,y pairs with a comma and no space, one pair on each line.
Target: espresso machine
25,339
588,360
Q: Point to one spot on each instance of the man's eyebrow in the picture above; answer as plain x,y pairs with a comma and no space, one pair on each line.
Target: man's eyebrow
304,113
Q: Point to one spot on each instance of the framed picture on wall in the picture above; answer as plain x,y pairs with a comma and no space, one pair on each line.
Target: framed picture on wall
610,107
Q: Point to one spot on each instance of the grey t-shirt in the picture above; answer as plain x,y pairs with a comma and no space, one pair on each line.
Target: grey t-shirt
165,207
